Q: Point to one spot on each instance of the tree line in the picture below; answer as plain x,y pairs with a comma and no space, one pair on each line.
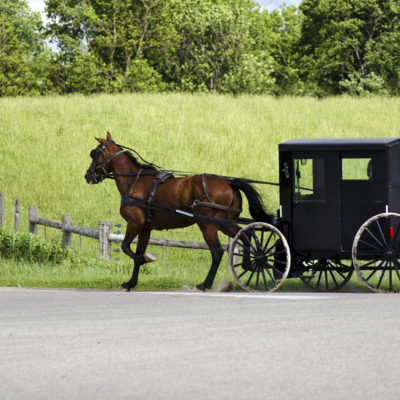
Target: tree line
321,48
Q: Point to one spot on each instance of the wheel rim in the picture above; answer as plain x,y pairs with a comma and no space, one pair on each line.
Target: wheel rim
259,257
325,275
376,253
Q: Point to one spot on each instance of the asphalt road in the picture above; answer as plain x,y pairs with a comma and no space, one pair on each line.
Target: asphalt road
76,344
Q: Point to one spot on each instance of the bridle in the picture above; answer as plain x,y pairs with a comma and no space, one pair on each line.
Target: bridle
99,172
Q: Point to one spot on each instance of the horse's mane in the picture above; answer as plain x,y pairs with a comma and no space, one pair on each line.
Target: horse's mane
133,159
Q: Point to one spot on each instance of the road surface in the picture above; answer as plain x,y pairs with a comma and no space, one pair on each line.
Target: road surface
91,344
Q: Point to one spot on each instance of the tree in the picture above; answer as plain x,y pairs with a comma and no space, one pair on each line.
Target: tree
278,33
216,49
24,54
13,68
353,41
110,36
27,25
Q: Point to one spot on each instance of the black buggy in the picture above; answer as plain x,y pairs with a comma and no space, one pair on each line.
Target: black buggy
339,212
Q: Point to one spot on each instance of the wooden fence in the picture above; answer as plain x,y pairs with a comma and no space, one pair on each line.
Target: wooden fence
104,234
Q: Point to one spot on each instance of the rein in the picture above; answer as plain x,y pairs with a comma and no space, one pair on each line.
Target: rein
125,149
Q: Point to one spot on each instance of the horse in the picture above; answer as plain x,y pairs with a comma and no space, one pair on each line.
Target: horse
147,201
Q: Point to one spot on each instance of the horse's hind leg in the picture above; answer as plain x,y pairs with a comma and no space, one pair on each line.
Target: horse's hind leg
210,234
138,257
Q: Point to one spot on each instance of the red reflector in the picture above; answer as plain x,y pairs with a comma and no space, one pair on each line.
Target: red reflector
391,231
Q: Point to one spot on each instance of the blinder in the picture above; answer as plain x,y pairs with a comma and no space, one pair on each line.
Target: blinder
99,171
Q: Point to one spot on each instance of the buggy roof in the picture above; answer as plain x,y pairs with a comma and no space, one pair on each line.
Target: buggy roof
339,144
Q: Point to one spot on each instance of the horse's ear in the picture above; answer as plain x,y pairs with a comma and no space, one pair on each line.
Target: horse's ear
109,136
98,139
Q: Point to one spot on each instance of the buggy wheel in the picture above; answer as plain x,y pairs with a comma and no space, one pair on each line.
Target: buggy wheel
376,253
325,275
259,257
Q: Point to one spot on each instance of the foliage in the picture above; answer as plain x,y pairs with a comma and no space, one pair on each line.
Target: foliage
278,33
26,24
13,68
350,39
105,41
28,247
216,49
24,56
356,85
323,47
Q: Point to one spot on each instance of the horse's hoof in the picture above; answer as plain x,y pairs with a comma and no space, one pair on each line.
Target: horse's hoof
124,288
150,257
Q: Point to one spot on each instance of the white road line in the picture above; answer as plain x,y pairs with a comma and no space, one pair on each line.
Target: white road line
238,295
242,295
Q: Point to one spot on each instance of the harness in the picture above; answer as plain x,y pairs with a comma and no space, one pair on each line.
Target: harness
160,177
212,204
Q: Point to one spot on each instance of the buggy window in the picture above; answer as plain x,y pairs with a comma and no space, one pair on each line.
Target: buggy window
309,178
359,169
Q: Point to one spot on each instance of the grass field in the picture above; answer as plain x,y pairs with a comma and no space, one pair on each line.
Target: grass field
46,144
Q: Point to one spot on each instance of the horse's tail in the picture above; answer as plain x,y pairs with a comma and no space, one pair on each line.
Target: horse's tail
256,206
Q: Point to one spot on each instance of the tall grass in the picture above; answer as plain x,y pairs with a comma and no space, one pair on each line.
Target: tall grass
45,142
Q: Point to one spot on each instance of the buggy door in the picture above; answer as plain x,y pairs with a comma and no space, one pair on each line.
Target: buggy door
316,202
363,190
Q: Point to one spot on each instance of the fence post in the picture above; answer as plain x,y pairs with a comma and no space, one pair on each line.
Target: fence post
104,243
66,219
2,211
17,210
33,213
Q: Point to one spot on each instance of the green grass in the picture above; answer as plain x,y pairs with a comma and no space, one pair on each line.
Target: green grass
46,143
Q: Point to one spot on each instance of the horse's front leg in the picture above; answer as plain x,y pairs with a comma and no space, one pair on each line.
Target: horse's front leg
138,257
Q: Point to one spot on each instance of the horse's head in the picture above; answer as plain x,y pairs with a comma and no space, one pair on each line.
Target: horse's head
102,156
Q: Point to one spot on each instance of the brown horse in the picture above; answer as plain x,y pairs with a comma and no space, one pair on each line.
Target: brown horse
208,196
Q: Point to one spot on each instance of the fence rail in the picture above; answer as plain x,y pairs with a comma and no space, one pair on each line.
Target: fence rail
104,234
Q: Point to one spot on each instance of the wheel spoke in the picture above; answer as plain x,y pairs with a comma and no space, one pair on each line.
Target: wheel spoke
376,239
251,244
258,276
265,280
369,263
255,237
326,279
380,279
371,274
243,272
319,279
333,277
341,274
248,281
238,265
370,245
275,269
271,275
380,230
267,242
